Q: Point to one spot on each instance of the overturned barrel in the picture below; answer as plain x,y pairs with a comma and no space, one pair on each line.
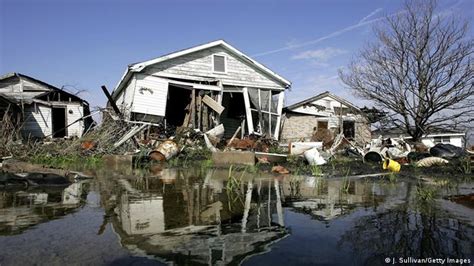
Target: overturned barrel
373,157
165,151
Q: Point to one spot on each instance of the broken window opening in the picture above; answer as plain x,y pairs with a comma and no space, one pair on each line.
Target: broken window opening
263,109
348,128
442,139
322,124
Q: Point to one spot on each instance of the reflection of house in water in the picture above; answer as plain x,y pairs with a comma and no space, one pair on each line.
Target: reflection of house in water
142,215
198,220
326,199
20,210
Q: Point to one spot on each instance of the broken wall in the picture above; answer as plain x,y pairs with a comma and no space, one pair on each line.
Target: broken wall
363,133
296,127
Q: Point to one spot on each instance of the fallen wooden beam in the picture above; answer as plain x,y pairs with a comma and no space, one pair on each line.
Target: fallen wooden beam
233,136
213,104
132,132
111,101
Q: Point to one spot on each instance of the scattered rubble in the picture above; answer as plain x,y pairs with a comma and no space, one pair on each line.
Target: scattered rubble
430,161
280,170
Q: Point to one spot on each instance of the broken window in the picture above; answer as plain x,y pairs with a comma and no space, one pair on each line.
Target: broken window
323,124
442,139
219,63
348,128
264,111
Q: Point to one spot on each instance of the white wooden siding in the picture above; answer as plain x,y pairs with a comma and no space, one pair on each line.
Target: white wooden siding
37,121
200,64
125,98
453,140
76,129
150,95
326,102
8,86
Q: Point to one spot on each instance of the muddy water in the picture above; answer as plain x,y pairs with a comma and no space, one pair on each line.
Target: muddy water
208,216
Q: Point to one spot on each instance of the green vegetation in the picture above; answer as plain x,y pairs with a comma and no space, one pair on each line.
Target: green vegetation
316,170
346,182
466,165
425,193
233,188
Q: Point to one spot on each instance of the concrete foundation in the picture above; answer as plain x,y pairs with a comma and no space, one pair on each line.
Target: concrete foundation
228,158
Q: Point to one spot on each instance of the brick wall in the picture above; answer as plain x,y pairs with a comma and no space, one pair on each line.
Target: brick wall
297,127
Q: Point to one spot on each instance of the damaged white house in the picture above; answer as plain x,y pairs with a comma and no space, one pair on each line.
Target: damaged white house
201,87
41,109
324,111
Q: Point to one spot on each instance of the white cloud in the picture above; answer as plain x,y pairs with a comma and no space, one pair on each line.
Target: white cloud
320,55
326,37
371,15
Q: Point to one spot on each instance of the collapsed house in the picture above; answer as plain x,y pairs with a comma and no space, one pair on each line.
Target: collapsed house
202,87
325,111
435,136
40,109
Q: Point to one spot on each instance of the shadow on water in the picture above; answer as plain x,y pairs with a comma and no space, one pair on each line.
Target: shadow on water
221,216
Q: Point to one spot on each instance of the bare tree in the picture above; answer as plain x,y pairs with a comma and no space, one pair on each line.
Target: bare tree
419,69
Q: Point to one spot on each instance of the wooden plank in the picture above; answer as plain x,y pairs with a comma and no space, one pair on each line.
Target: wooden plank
247,110
205,118
193,107
213,104
132,132
111,101
187,117
199,110
233,136
281,98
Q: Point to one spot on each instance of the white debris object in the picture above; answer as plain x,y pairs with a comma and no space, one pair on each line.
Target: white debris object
298,148
313,157
430,161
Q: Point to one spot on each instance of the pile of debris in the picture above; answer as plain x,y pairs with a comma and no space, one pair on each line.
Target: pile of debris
395,153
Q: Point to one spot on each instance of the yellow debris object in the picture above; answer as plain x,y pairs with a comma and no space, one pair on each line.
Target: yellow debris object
391,165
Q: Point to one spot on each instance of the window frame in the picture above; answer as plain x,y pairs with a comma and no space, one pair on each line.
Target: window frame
213,64
442,139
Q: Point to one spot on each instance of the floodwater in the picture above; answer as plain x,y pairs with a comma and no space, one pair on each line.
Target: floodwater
208,216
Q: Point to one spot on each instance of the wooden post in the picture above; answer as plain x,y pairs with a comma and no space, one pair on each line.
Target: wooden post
248,112
281,98
205,118
193,107
198,110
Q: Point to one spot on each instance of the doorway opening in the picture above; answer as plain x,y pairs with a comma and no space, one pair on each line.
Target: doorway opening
233,113
58,121
178,101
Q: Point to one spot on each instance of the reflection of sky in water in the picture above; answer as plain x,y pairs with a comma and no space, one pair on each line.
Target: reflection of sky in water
198,216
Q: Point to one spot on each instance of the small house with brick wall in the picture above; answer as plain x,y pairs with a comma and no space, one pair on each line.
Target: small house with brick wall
326,111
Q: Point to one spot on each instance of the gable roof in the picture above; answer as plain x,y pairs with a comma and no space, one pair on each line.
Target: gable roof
137,67
28,96
320,96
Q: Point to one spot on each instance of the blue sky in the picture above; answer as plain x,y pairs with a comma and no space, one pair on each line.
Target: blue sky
83,44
